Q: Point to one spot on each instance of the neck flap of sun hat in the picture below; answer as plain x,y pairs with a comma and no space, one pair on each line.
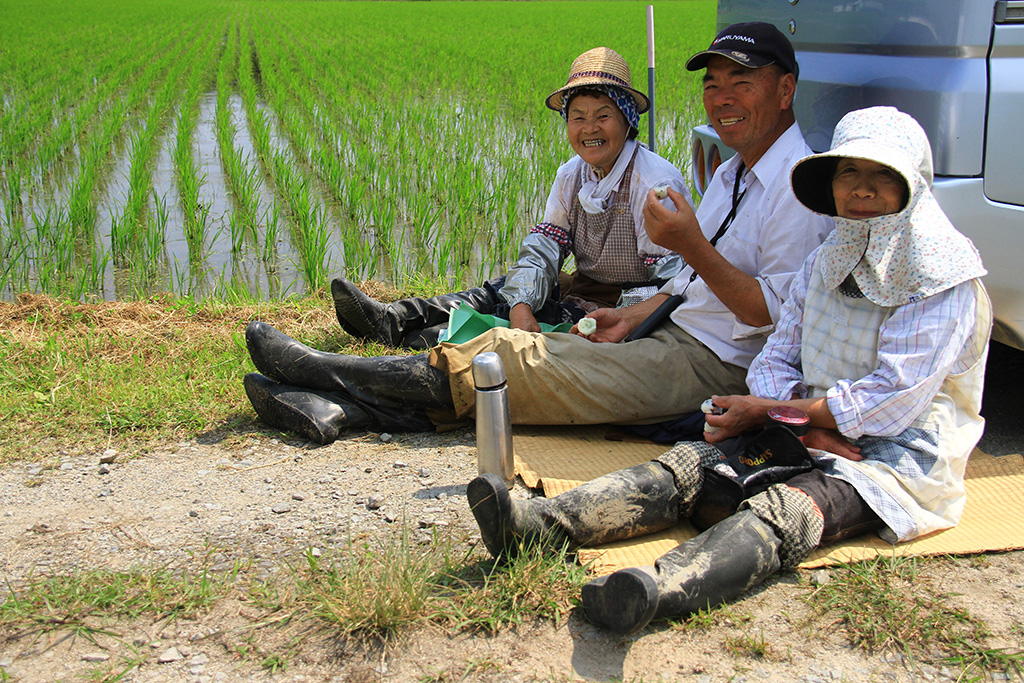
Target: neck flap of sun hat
898,258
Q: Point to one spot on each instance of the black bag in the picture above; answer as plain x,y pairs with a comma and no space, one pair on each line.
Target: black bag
749,465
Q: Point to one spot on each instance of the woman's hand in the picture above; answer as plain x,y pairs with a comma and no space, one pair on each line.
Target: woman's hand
521,318
742,413
831,441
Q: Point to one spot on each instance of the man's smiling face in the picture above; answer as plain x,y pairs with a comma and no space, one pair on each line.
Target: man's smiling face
749,108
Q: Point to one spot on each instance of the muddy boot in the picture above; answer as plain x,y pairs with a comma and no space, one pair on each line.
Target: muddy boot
631,502
393,324
734,555
315,415
388,381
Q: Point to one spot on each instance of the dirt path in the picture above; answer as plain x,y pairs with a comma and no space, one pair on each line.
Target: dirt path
269,501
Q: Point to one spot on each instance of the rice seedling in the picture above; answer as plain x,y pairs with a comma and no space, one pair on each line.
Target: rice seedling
420,151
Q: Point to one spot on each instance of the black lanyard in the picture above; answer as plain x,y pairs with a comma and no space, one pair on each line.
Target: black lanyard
737,197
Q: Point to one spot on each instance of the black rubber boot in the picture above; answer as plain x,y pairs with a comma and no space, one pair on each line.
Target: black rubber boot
408,322
315,415
637,500
388,382
720,564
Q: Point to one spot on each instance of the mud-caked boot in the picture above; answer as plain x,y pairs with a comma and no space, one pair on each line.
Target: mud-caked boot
414,322
404,383
637,500
315,415
720,564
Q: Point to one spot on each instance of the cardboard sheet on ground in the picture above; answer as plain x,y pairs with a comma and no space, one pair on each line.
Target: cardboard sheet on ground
558,458
464,323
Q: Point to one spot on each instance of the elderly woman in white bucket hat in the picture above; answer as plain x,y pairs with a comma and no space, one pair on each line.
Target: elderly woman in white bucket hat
882,345
594,212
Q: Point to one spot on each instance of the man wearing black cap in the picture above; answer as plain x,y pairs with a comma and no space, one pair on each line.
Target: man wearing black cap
744,245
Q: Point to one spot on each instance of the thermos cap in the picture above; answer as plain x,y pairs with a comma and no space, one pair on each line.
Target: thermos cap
488,370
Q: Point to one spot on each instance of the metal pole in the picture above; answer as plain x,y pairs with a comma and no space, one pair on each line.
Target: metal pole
650,75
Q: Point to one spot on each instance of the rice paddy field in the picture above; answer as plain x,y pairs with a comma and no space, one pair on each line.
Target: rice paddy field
253,149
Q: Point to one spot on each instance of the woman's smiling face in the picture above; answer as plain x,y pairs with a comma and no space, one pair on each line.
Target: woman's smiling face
866,189
597,130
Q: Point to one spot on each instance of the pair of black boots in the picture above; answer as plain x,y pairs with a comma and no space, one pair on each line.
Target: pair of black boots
319,395
736,550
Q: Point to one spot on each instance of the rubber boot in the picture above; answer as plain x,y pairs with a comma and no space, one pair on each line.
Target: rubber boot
321,416
408,322
720,564
637,500
388,382
318,416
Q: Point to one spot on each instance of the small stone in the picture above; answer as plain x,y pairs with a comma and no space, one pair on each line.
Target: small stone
820,577
374,502
103,469
67,466
385,437
298,495
193,513
108,456
198,660
171,654
399,465
424,472
95,657
281,508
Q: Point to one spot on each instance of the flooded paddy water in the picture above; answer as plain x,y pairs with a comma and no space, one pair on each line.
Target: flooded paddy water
261,148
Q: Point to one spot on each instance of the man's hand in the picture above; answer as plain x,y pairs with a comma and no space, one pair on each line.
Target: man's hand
831,441
676,230
521,318
612,326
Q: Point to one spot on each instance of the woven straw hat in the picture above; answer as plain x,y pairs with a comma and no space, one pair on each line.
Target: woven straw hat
600,66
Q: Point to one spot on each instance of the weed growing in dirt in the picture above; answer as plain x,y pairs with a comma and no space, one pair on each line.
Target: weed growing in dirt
894,604
375,589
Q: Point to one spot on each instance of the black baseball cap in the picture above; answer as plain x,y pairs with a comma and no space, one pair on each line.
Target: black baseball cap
754,44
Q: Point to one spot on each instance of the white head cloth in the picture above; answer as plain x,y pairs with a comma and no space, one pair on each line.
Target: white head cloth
897,258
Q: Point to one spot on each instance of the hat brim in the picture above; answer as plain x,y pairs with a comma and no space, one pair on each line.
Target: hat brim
700,60
811,177
554,100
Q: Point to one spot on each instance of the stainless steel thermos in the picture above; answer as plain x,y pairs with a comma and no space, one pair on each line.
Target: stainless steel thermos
493,420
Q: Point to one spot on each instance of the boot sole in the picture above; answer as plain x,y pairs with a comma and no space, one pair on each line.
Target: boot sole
623,602
263,394
492,507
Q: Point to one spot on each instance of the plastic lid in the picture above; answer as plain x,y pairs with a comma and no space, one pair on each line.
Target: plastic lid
795,419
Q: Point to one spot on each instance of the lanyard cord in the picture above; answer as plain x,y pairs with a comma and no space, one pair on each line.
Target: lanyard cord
737,197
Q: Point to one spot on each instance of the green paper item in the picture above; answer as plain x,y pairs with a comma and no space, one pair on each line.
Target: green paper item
465,323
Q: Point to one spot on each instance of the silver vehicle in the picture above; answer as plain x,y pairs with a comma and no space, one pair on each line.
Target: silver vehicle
957,66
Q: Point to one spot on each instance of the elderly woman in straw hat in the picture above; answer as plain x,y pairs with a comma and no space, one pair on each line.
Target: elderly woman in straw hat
882,344
594,212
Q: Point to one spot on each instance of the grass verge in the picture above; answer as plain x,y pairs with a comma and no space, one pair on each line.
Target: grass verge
896,604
